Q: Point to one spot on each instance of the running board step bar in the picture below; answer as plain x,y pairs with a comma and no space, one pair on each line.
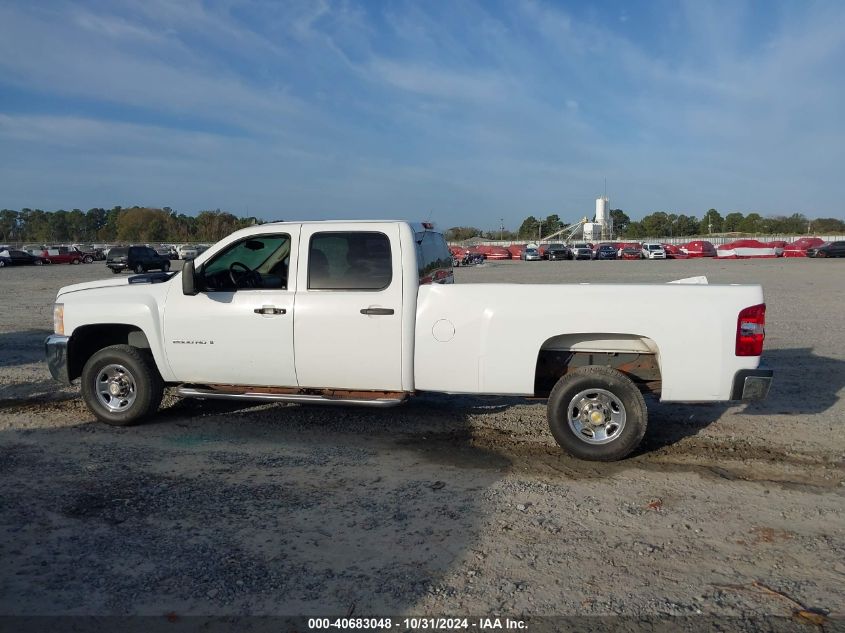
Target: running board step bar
300,396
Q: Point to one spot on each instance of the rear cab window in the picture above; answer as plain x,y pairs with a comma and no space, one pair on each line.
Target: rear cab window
434,260
349,260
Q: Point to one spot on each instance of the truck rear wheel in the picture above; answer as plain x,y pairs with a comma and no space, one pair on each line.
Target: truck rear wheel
597,413
121,385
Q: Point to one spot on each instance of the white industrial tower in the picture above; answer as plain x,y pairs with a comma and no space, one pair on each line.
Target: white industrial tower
602,227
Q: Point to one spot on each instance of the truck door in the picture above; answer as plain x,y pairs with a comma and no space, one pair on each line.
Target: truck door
348,317
238,330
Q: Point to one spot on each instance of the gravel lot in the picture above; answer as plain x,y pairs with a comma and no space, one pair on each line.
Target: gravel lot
446,506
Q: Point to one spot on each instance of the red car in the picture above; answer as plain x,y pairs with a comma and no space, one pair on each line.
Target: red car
66,255
673,251
699,248
799,247
630,250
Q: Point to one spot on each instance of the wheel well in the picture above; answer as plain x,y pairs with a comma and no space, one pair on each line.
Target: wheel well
89,339
635,356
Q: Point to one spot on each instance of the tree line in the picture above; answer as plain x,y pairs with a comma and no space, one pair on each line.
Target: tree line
665,224
118,224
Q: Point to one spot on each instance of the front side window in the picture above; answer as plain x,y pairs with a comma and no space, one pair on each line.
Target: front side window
255,262
349,261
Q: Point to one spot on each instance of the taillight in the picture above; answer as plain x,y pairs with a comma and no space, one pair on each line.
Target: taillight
751,330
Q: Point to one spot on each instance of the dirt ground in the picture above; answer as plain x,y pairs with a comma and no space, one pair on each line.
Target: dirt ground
447,506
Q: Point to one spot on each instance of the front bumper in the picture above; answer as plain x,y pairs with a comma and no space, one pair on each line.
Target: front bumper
55,348
751,384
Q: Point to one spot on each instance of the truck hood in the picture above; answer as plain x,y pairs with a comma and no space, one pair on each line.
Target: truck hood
99,283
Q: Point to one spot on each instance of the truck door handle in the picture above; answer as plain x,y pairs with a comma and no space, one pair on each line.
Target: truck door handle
377,311
270,310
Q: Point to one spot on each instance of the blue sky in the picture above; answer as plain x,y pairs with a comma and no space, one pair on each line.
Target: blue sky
465,112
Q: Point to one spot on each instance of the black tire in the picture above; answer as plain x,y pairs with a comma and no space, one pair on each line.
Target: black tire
2,263
116,271
88,259
38,262
74,261
165,267
143,374
139,268
629,434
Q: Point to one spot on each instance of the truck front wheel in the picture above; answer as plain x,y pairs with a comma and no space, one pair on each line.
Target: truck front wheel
121,385
597,413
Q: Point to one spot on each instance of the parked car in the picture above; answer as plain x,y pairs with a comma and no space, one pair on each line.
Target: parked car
14,257
831,249
629,250
581,250
606,251
33,249
187,251
557,251
699,248
651,250
136,258
673,251
799,247
66,255
95,251
530,255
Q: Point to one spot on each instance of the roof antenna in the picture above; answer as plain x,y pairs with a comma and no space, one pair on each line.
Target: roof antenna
427,225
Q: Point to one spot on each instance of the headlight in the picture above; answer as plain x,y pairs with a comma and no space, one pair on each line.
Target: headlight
59,318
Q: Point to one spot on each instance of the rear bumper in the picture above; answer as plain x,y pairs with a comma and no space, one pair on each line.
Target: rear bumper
751,384
55,348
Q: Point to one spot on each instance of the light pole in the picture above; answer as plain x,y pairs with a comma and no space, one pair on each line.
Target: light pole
539,231
501,229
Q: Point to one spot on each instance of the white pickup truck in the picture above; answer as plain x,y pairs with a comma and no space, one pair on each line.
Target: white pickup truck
366,313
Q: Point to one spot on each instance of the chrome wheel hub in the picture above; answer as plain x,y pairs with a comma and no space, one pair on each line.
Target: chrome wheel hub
596,416
115,387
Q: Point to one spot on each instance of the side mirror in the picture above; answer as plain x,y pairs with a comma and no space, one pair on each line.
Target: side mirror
189,279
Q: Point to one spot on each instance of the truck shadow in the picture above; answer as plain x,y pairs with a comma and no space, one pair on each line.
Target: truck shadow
241,509
22,347
805,384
